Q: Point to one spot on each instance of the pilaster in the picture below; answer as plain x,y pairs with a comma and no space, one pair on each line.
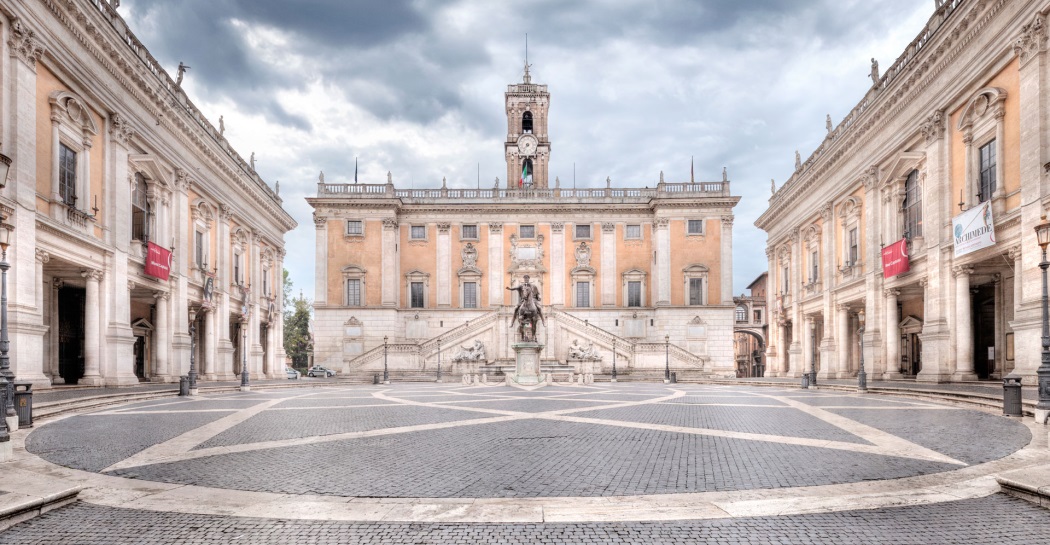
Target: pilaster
496,276
444,265
726,256
608,264
663,261
558,264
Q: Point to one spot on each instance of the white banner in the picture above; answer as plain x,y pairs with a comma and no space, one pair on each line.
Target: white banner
973,229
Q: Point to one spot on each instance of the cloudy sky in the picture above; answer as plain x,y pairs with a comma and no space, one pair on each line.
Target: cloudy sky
416,88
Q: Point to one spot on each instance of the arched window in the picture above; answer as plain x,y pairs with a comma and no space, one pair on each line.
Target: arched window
741,314
526,122
912,206
526,174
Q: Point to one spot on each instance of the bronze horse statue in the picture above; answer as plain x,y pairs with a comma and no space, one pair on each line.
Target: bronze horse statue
528,311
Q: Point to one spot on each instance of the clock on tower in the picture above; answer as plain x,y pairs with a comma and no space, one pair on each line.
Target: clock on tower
527,145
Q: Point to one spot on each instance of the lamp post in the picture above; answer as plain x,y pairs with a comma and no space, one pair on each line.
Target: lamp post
439,360
667,359
5,360
813,354
5,384
192,375
245,374
1042,408
862,377
386,371
614,362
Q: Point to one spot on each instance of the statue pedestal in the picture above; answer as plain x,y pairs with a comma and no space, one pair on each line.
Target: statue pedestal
527,363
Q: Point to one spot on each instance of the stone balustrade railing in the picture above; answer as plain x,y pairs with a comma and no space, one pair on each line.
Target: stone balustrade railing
664,190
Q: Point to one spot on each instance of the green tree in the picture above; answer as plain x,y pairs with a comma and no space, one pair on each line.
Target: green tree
297,341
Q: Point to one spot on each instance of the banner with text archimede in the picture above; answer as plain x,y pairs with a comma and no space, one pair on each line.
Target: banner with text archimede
895,259
158,261
973,229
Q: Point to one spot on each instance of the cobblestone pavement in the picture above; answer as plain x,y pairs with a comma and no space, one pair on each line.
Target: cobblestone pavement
453,441
996,519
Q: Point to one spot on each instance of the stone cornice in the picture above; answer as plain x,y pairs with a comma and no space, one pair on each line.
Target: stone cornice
942,47
171,108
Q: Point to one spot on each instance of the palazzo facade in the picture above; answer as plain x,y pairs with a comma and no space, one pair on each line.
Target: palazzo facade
408,278
955,129
111,163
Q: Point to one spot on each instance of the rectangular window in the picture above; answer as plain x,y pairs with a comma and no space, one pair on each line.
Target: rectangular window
266,283
417,294
583,231
418,232
355,227
353,292
198,244
987,169
741,315
785,280
67,174
814,267
139,209
696,291
854,247
912,206
758,316
696,227
634,294
583,294
237,267
469,231
470,295
527,231
633,231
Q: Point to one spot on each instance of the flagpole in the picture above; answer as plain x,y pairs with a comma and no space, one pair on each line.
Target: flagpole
355,169
574,175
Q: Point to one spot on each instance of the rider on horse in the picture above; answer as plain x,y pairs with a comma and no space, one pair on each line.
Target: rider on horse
527,292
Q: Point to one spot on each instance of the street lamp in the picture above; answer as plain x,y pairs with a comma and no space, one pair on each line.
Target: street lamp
813,354
192,375
667,359
862,377
614,362
439,360
386,371
5,360
245,374
1042,409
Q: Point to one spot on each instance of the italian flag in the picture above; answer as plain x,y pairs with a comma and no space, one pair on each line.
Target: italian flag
524,175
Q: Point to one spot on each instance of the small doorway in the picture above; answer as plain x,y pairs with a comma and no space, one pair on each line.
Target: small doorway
143,349
911,346
71,333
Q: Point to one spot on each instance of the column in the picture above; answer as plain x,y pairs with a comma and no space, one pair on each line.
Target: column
963,325
937,208
726,275
390,254
893,336
92,328
162,371
806,362
496,276
269,363
183,261
829,355
797,334
558,263
842,342
281,355
321,268
608,265
444,265
782,353
207,363
663,262
774,341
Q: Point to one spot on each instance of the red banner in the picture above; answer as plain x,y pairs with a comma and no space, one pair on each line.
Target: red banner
158,261
895,259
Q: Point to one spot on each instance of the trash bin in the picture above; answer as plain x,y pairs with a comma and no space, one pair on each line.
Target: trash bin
674,377
375,379
805,380
1012,395
24,404
184,385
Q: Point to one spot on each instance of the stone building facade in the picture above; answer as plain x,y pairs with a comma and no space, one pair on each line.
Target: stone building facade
751,329
619,269
958,123
111,160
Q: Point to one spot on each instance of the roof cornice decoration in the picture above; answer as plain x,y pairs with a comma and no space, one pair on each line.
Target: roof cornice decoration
145,80
924,59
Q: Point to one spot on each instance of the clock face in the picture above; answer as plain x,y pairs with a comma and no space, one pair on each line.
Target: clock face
527,145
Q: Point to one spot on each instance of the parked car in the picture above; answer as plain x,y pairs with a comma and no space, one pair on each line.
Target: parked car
292,373
318,371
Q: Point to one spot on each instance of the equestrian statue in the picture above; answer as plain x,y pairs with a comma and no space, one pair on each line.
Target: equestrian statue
528,311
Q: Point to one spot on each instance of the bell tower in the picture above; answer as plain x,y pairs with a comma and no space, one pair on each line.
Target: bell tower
528,147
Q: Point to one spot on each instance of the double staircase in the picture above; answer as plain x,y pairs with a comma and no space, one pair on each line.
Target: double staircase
685,364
